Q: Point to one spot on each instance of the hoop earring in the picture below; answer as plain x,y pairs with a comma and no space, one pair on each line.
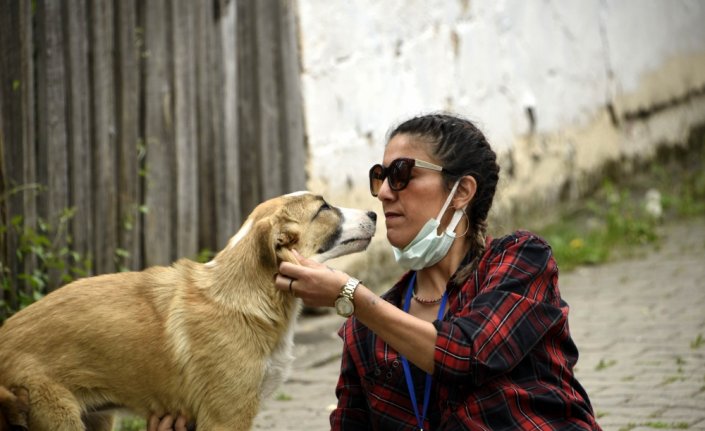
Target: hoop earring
467,227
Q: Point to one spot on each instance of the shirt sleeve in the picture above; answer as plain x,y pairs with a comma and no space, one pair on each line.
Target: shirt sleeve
517,304
352,410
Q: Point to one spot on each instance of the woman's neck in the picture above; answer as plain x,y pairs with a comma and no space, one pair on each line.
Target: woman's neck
431,282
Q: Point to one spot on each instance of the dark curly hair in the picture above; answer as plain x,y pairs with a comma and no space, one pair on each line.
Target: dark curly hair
463,150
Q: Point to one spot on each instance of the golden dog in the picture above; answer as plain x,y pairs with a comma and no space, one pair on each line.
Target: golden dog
208,341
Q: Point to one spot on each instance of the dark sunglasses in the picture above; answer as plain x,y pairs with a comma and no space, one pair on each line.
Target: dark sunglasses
397,174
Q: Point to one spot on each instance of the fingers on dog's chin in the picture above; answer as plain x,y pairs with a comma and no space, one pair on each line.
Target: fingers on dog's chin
152,423
165,423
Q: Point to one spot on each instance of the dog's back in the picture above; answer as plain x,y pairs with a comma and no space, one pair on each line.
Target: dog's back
76,348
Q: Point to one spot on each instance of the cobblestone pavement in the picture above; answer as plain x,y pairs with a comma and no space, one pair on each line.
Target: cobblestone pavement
639,324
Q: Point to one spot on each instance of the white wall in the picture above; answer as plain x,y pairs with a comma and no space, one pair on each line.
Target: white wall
370,63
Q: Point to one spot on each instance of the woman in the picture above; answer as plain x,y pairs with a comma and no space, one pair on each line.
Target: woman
480,323
475,336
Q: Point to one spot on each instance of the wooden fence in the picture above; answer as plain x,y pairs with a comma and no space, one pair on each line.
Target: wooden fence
159,124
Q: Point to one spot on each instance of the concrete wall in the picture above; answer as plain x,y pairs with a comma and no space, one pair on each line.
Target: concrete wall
603,80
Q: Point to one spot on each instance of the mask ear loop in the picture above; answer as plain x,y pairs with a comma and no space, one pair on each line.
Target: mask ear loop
448,200
467,227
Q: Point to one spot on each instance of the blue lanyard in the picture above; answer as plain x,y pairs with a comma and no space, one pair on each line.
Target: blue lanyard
407,373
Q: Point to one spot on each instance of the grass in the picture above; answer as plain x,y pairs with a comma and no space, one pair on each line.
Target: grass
281,396
624,213
604,364
613,221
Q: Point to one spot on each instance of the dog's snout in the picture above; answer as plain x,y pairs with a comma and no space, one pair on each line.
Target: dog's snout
372,215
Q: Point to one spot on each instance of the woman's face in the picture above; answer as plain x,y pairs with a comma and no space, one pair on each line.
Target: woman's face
407,210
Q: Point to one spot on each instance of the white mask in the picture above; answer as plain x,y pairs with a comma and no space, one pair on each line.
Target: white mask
428,247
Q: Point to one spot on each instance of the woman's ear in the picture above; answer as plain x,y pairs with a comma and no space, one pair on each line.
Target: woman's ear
465,192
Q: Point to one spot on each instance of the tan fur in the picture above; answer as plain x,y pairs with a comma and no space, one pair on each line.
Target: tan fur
195,339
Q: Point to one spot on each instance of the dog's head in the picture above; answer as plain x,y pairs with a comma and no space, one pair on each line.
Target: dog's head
306,223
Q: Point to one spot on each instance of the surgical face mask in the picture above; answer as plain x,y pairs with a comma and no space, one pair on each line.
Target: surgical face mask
428,247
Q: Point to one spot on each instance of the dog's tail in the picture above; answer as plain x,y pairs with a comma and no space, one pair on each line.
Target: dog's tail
14,409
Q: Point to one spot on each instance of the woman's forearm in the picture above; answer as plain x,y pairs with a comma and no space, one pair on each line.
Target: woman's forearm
410,336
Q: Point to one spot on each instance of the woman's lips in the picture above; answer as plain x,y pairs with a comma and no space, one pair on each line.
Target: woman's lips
390,217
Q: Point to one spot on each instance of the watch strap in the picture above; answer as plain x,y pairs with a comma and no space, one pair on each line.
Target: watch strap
348,289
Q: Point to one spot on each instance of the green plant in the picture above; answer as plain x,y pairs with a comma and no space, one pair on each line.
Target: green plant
612,220
47,246
131,424
205,255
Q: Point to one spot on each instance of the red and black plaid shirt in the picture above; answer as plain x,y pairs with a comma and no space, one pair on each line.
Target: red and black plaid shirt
504,357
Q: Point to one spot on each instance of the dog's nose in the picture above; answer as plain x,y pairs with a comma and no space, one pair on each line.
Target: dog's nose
372,215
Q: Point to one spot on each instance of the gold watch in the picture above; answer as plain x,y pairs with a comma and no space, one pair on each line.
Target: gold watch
344,304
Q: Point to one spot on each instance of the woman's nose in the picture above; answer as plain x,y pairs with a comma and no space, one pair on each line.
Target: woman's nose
385,192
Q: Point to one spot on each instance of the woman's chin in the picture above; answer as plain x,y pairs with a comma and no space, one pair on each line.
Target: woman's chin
395,241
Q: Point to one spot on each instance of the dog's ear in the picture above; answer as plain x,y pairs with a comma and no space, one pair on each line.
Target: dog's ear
286,236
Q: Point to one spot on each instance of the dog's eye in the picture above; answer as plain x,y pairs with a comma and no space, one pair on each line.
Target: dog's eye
324,207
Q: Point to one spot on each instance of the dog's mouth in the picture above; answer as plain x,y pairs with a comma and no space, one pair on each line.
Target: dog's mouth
357,244
362,240
346,246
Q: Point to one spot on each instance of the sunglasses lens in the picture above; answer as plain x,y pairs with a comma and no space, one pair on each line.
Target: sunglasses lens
400,174
397,175
377,175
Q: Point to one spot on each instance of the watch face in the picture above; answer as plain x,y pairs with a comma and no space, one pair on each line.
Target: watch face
344,306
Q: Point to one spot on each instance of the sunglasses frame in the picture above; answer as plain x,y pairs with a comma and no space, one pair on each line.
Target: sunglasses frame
385,173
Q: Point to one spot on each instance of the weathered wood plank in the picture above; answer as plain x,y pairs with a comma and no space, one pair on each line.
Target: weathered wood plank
127,98
103,124
291,126
159,185
28,121
267,67
13,87
225,95
51,124
248,105
204,32
79,124
184,129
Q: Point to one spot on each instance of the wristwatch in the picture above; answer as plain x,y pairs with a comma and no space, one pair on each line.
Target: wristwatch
344,304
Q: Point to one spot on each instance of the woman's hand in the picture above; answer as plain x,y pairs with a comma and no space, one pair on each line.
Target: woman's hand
316,284
167,423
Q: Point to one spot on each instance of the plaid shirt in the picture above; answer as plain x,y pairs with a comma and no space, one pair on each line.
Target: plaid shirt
504,357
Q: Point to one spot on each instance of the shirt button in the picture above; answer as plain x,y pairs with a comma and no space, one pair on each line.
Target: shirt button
389,375
395,364
378,371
